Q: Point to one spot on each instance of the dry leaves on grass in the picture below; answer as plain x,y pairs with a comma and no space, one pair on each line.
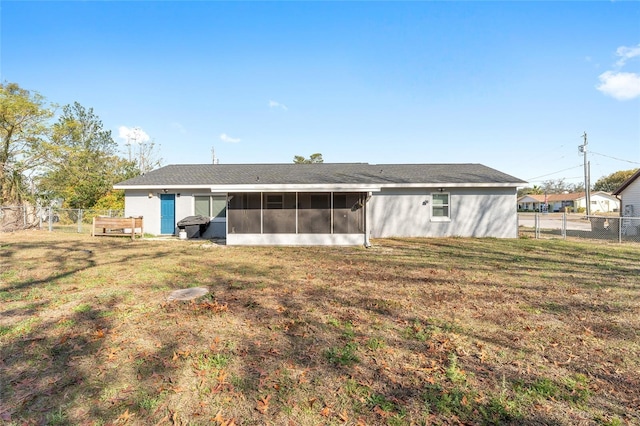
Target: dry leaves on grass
207,306
481,308
221,421
125,417
263,404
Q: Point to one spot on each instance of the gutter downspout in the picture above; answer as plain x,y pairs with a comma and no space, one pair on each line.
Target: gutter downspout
367,243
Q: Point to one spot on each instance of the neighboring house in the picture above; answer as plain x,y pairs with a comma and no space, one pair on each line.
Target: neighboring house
317,204
601,202
629,193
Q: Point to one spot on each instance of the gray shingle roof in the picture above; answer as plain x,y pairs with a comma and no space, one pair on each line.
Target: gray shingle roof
322,173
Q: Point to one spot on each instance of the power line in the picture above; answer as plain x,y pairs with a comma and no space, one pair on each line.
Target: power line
559,171
569,179
614,158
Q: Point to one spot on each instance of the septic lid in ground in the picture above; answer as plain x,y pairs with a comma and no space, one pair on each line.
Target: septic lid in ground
188,293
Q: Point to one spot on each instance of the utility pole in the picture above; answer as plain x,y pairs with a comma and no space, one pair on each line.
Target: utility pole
587,166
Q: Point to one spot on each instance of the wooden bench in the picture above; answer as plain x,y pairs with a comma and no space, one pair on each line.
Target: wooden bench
118,226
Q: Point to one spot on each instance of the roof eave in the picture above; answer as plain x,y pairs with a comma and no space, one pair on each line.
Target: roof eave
173,186
296,188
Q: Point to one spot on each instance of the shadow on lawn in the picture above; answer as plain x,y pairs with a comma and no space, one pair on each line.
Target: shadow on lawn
391,387
69,258
41,369
521,257
61,380
320,324
351,342
52,361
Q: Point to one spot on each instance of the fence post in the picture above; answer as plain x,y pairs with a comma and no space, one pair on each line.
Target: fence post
50,210
536,223
620,229
564,225
79,221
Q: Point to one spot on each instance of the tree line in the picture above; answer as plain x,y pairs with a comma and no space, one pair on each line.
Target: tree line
49,153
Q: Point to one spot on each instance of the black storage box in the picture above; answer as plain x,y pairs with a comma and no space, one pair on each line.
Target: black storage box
194,226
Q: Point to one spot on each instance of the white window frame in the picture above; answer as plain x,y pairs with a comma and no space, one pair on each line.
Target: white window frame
211,197
446,218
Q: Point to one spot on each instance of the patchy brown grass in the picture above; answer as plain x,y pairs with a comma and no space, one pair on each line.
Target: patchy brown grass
411,331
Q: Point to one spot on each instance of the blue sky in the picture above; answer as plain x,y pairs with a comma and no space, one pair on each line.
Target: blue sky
512,85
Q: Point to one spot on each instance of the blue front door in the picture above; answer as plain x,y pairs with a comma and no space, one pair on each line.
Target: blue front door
167,213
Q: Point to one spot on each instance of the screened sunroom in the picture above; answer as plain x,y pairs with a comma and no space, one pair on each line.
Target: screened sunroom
296,217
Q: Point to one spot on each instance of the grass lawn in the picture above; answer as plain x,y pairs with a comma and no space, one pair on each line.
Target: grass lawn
408,332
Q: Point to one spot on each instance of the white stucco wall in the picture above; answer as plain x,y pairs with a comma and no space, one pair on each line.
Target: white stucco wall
475,212
138,203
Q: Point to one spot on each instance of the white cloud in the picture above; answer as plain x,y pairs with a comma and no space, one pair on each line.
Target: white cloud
226,138
275,104
620,85
625,53
133,134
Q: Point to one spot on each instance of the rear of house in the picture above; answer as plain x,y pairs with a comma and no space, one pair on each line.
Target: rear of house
327,204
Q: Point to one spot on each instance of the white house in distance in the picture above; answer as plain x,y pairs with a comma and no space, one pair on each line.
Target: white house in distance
327,203
601,202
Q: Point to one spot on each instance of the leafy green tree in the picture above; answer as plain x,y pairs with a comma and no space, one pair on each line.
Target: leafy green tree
613,181
84,163
24,128
530,190
313,158
112,200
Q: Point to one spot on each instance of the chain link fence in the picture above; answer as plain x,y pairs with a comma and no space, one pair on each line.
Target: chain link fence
539,225
564,225
16,218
